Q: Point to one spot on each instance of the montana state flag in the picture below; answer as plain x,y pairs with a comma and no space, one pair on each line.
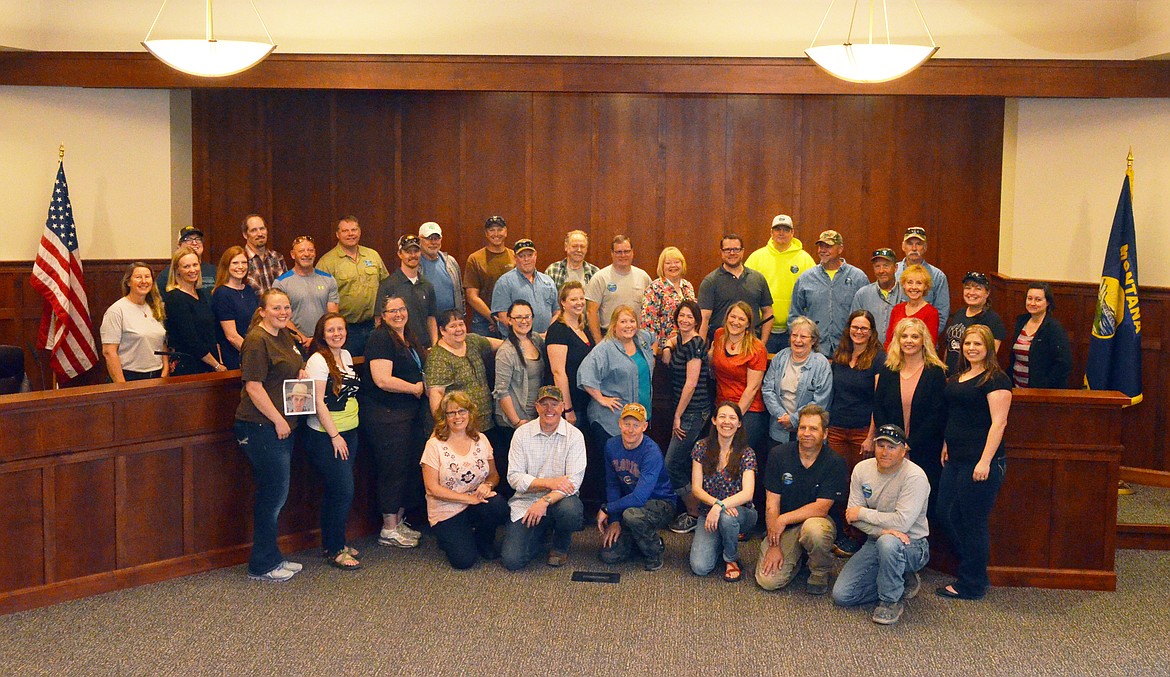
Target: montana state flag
1115,348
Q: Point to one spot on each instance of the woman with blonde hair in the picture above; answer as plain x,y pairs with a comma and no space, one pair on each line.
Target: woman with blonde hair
132,330
664,294
190,321
910,395
915,283
460,478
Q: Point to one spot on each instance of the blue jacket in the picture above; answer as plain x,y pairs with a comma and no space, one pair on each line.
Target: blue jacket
610,370
826,301
815,386
634,476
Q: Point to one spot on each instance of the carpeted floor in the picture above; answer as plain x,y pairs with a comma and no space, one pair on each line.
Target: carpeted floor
1146,505
408,613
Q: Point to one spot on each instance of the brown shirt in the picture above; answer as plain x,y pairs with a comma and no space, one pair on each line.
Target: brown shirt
270,360
484,268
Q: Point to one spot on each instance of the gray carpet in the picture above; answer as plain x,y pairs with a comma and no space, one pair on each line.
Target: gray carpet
1146,505
408,613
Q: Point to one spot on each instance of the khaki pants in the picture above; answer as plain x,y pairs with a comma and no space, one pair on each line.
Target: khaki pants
814,536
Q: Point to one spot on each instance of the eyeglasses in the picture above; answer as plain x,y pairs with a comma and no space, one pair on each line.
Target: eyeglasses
861,330
191,238
622,252
457,413
732,250
519,318
395,311
301,238
434,237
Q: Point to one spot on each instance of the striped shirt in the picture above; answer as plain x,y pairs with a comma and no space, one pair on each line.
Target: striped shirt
695,349
1021,348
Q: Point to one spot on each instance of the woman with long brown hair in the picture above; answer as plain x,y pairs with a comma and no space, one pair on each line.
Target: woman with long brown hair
856,365
233,301
723,479
460,477
332,438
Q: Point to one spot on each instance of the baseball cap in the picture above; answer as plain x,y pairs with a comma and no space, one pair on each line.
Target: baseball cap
978,278
890,433
429,228
521,245
884,253
189,231
547,392
915,231
782,221
830,237
407,241
495,221
634,409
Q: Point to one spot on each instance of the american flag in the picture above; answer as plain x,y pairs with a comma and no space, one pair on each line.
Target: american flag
66,331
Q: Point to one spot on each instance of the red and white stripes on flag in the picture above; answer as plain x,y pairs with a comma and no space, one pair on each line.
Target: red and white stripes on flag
66,331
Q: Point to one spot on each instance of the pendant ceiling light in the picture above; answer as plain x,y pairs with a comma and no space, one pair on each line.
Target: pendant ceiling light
870,62
209,57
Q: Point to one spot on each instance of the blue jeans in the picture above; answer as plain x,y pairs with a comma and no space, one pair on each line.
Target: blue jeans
639,534
678,452
522,543
706,547
480,325
877,571
269,456
964,507
337,484
357,334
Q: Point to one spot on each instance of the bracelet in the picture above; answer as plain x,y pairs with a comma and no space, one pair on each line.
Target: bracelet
333,437
720,504
569,410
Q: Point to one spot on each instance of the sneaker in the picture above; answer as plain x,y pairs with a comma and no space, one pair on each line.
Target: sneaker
291,566
557,559
684,523
652,563
887,614
845,546
277,575
394,537
913,583
406,530
816,588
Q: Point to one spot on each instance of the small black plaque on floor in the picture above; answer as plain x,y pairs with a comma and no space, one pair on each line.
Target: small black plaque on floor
596,577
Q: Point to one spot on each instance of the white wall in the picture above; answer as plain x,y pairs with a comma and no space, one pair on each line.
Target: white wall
1064,161
117,161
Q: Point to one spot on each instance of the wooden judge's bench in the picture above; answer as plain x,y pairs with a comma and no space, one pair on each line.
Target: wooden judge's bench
113,486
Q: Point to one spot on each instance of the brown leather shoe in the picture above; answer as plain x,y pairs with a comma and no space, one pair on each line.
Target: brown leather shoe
557,559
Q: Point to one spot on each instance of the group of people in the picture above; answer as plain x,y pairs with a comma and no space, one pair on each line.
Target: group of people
827,386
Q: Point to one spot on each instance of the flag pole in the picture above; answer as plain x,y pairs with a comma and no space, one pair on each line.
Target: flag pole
52,372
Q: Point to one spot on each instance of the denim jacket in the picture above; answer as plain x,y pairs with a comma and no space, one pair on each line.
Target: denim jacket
610,370
815,386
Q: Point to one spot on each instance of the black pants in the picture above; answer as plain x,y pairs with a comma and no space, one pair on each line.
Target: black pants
395,439
964,507
472,533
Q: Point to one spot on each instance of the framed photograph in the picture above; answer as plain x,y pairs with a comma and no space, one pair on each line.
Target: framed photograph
300,397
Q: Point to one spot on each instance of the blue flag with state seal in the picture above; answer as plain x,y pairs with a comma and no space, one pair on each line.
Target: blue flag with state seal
1115,347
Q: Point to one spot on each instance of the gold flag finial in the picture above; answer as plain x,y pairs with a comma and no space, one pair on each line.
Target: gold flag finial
1129,159
61,153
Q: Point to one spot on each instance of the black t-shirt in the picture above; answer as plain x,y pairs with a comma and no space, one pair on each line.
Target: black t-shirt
408,366
853,392
560,334
969,416
953,336
828,477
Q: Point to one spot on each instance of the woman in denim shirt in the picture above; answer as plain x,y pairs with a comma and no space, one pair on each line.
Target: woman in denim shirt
798,375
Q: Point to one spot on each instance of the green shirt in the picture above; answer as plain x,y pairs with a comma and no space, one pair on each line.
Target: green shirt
357,280
449,371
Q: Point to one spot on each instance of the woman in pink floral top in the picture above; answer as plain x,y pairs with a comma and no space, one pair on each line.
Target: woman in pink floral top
459,473
664,294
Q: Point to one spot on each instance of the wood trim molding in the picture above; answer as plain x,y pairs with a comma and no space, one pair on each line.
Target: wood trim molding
668,75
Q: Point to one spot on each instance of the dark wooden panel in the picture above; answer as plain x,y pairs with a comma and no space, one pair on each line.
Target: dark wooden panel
303,170
144,414
1087,514
365,138
628,194
429,171
223,512
494,160
22,529
1023,514
564,157
85,518
30,433
764,159
965,77
150,504
694,142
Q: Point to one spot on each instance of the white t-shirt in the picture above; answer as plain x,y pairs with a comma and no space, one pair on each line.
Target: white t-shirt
343,408
610,289
137,334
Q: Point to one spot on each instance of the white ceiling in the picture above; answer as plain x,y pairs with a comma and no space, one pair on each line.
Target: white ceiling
1022,29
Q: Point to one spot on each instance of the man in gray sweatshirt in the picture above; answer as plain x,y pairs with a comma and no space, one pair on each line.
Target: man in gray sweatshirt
887,501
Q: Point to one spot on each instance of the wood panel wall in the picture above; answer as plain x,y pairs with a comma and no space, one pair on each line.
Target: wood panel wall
665,169
104,487
1144,431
